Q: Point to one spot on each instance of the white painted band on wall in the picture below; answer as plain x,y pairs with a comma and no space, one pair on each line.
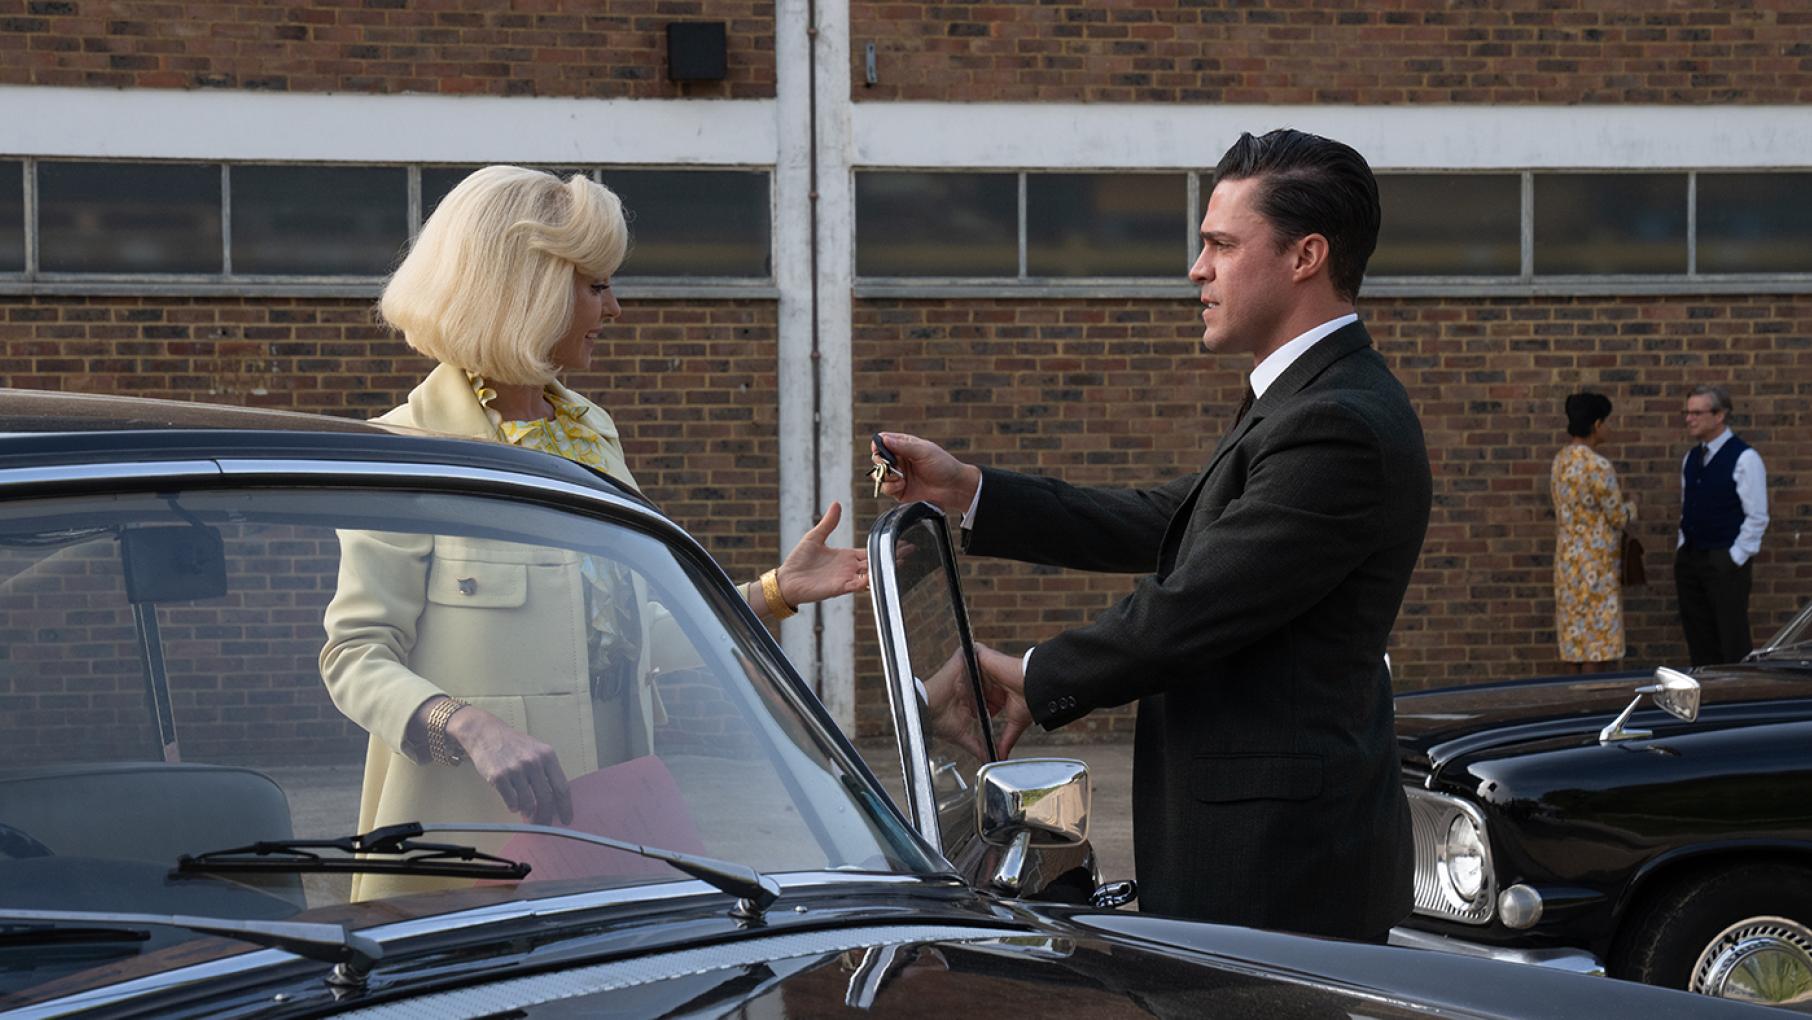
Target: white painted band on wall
175,124
227,125
1159,136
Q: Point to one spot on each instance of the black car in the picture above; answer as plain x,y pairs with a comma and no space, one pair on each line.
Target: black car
191,826
1658,828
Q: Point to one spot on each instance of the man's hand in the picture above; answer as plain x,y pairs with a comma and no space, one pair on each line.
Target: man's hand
927,472
815,571
950,706
524,771
1004,684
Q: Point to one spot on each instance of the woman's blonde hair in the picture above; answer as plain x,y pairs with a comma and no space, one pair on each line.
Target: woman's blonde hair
488,285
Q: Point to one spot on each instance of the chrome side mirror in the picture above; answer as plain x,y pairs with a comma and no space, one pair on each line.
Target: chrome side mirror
1027,803
1676,693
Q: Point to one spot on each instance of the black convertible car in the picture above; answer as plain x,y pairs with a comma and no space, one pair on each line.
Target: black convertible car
185,812
1655,828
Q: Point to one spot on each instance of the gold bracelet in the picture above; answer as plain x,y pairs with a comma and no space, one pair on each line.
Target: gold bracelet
770,590
442,751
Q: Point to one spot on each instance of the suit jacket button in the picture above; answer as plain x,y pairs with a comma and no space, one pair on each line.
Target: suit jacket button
1050,706
468,586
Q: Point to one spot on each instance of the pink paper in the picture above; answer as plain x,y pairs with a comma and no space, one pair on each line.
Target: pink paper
636,801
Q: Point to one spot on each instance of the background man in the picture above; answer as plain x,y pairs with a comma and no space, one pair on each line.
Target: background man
1266,790
1723,512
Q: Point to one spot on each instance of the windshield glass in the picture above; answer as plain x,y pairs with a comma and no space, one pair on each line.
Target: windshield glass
1794,641
193,671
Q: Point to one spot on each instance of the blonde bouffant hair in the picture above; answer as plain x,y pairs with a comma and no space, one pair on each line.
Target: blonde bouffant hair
488,285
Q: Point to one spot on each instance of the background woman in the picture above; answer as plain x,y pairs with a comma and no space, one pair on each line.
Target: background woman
508,287
1590,514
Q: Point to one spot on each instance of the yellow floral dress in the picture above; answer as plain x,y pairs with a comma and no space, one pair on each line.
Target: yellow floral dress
1589,513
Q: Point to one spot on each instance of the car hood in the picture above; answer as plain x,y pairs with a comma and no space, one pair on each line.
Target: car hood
1435,726
1094,965
914,953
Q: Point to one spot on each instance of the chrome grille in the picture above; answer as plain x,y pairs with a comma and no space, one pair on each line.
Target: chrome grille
1429,815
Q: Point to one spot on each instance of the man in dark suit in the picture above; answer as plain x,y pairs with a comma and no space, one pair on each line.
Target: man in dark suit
1266,790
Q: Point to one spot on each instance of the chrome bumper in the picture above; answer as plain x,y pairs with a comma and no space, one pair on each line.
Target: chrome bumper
1575,961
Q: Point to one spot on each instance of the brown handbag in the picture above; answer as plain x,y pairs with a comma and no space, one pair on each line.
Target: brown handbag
1630,568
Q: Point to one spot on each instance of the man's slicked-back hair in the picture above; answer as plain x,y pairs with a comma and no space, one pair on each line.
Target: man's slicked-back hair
1312,185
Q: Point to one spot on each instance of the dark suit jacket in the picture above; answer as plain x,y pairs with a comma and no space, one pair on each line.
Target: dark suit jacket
1265,783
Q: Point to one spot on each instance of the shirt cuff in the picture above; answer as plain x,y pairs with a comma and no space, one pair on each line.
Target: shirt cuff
1025,662
968,520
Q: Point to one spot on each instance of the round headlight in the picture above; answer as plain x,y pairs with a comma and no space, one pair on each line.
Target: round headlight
1462,860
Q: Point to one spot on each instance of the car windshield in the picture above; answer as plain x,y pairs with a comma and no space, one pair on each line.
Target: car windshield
189,671
1794,641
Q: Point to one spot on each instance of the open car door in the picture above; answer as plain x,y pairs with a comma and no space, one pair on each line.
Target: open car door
1020,826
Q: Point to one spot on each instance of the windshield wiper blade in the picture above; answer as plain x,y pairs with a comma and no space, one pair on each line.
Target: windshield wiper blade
352,954
755,891
292,856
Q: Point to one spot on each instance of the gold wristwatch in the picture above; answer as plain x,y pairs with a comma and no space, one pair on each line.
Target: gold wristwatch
443,750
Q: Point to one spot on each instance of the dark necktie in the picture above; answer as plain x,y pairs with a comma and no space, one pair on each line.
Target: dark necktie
1245,404
1704,454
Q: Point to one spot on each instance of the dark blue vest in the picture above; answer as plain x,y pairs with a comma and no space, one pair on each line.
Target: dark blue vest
1711,514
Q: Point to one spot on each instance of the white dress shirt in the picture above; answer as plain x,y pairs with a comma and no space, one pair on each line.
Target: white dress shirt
1752,488
1263,375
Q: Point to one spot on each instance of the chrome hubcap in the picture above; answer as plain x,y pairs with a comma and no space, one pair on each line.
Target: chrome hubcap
1764,960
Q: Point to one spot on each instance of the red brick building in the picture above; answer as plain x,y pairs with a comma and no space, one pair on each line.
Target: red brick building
966,220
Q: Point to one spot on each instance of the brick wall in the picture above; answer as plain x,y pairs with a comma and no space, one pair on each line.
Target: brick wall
1118,392
692,384
1105,392
1338,51
595,49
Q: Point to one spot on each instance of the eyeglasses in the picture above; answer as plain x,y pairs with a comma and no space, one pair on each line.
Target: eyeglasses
1698,414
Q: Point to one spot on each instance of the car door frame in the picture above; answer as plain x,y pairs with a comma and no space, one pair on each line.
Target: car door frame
1055,873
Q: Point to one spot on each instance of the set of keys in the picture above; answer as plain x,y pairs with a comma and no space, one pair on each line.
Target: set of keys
886,463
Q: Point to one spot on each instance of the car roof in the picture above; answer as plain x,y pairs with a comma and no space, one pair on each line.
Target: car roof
42,429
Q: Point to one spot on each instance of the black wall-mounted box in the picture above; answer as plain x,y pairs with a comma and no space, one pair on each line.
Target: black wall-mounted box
695,51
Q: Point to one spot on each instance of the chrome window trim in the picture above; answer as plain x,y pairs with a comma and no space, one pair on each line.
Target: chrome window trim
276,468
398,931
117,471
1427,812
670,891
914,751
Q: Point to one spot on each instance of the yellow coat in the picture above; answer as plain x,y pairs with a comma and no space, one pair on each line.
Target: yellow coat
500,625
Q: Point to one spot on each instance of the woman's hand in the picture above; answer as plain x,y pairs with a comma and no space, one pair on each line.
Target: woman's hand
814,571
524,771
929,473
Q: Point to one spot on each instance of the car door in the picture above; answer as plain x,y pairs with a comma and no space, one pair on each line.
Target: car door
940,715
